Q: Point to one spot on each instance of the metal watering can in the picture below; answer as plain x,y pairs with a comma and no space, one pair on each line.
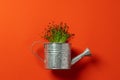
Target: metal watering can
58,55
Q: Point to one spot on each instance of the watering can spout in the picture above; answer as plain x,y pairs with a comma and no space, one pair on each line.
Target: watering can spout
80,56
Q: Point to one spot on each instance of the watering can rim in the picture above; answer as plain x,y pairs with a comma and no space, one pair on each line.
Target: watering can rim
57,43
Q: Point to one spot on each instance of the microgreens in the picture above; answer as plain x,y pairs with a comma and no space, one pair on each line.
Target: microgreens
57,33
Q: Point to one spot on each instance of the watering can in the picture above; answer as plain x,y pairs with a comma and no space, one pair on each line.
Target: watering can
58,55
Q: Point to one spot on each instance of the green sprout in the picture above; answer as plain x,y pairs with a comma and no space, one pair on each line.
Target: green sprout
57,33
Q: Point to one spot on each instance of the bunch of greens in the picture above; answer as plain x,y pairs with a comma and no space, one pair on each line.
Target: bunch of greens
57,33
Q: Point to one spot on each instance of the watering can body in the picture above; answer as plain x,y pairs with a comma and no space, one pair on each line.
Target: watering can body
58,56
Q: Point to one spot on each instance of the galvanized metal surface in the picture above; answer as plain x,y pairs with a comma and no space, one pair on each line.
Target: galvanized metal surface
58,55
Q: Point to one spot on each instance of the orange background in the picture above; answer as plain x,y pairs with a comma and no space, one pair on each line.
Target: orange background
96,24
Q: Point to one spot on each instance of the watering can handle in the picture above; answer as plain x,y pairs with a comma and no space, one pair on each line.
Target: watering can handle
33,44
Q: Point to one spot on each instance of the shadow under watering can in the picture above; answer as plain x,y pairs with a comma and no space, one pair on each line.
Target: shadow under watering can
58,55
